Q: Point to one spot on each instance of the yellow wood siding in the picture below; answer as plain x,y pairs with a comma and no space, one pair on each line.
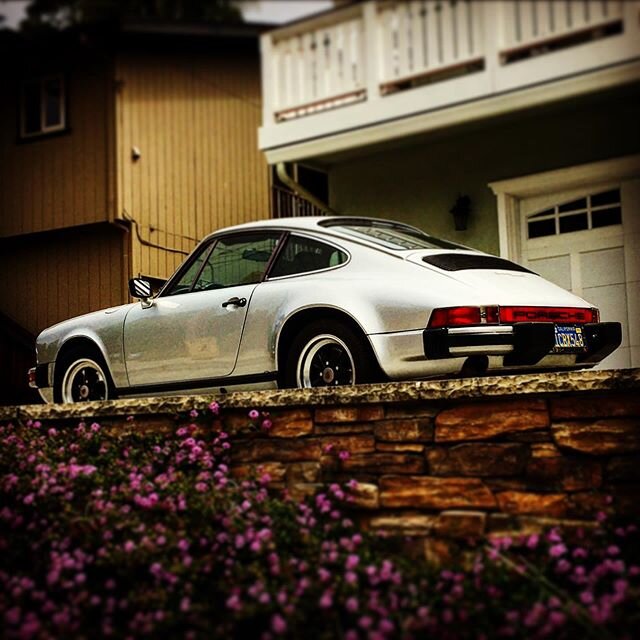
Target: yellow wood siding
50,277
194,119
60,180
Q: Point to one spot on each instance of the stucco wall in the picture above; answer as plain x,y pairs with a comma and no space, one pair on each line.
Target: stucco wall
419,181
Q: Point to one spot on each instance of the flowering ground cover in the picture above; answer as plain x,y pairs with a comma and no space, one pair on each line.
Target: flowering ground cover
149,535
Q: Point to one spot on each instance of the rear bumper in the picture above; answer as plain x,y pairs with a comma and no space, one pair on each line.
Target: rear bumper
521,344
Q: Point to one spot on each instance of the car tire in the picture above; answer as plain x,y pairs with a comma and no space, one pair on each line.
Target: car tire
326,354
82,376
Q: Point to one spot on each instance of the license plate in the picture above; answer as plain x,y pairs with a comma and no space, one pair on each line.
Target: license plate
569,338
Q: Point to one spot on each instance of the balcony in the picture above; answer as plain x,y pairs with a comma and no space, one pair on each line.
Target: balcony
379,70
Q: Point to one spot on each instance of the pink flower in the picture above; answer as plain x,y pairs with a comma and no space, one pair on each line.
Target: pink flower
352,604
532,541
324,574
201,487
214,407
278,624
557,550
254,414
326,601
352,561
328,448
344,455
266,424
193,413
350,577
365,622
129,546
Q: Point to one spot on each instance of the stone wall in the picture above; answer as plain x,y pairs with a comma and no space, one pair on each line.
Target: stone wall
441,461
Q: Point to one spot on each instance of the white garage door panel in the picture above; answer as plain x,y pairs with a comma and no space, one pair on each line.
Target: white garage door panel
556,269
612,302
601,268
633,305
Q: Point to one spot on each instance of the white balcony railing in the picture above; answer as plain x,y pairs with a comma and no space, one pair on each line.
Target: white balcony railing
383,59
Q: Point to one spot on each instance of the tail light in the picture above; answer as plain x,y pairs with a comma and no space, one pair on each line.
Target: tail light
463,316
470,316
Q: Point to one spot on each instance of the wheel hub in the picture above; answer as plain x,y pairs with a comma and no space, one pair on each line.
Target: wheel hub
84,391
328,375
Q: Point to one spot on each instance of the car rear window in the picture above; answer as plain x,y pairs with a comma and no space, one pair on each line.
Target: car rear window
461,261
390,235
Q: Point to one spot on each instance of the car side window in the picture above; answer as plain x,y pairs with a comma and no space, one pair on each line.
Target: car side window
185,283
301,255
237,260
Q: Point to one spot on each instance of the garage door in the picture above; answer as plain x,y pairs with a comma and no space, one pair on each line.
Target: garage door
587,242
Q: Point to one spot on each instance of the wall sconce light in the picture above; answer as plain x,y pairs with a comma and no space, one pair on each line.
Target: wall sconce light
135,154
461,211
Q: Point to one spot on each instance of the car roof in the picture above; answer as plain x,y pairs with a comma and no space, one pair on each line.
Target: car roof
308,223
299,222
330,226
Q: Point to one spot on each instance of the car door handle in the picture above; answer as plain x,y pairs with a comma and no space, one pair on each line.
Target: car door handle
235,301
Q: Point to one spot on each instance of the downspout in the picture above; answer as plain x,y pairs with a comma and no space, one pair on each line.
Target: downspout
299,190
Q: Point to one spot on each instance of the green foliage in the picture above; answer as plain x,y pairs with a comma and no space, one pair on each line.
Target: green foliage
65,13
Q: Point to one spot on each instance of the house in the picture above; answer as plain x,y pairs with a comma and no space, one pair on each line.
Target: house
116,157
509,126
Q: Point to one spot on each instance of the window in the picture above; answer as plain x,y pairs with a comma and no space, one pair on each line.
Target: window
302,255
42,106
237,260
591,212
228,262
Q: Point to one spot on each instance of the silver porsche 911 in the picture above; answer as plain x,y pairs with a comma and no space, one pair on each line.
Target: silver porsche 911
313,302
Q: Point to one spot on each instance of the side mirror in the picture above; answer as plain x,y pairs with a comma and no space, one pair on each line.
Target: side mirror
141,289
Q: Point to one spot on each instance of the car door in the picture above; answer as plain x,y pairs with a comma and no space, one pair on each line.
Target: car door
191,333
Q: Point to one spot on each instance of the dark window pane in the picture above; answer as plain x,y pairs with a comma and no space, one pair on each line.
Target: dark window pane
606,197
301,255
186,281
574,205
605,217
53,102
237,260
547,212
574,223
31,107
542,228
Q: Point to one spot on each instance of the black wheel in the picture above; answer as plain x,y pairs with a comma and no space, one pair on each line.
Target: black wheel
82,376
327,354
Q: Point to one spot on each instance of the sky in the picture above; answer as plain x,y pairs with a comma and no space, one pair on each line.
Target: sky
266,11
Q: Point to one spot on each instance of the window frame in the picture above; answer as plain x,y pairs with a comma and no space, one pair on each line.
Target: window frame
44,130
553,213
208,248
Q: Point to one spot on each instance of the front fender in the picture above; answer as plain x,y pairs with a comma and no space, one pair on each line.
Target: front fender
102,328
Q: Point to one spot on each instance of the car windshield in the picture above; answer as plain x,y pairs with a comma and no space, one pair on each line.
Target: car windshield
390,235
